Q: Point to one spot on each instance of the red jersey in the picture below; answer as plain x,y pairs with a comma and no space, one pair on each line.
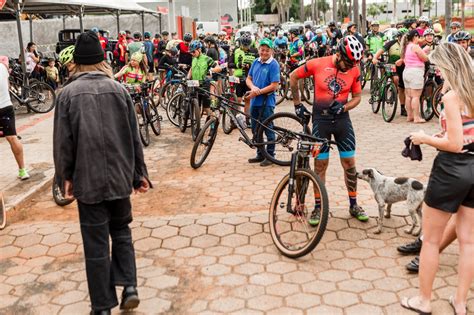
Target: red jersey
329,83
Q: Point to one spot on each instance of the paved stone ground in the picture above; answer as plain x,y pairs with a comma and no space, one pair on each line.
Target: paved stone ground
221,263
193,258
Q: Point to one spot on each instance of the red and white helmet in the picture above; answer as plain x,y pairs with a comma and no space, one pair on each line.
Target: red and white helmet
351,49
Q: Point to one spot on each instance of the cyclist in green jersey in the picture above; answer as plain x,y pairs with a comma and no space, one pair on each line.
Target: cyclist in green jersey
394,50
375,39
240,60
200,68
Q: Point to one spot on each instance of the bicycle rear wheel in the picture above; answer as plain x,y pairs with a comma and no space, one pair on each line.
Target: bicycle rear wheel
375,97
41,98
389,102
173,108
426,100
142,124
227,123
280,125
282,90
290,211
204,142
183,117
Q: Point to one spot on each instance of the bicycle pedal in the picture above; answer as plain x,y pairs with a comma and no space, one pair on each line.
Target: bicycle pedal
160,118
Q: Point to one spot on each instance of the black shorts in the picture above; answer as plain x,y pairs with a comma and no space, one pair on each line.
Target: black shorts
7,121
204,99
451,182
341,128
400,69
241,88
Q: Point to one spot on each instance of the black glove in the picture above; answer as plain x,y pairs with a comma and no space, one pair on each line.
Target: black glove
336,108
300,111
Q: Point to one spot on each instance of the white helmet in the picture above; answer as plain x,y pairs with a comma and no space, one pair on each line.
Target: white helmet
280,33
423,19
319,31
222,33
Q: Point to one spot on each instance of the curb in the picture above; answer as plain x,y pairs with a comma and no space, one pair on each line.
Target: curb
20,200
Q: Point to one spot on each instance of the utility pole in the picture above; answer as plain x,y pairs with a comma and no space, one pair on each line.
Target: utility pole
364,17
334,10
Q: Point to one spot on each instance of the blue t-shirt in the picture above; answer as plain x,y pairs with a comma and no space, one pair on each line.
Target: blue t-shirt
263,74
281,42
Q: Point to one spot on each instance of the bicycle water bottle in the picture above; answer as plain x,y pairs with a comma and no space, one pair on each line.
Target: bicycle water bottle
241,120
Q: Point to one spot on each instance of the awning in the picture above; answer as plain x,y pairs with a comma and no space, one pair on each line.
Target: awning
72,7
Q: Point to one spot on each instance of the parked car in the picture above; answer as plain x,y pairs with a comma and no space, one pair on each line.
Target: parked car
67,37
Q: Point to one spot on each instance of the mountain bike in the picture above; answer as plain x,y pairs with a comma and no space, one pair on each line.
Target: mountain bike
146,110
294,200
280,124
37,96
190,110
383,91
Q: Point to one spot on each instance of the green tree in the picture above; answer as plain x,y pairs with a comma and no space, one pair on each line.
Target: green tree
373,10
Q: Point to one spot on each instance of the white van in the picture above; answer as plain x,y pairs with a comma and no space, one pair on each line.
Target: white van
207,27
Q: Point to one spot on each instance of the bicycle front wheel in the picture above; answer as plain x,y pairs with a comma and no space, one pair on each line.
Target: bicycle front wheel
426,100
436,100
282,90
42,97
155,118
389,102
204,142
196,118
275,138
291,209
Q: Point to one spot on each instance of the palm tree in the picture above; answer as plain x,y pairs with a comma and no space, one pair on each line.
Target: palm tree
302,17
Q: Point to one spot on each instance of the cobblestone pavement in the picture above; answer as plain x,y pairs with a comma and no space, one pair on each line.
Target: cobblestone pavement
226,182
221,263
203,245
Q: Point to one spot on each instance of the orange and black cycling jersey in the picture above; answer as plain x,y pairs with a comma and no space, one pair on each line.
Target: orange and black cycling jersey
329,83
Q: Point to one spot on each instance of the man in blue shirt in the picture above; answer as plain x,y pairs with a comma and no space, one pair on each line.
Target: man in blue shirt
321,41
263,80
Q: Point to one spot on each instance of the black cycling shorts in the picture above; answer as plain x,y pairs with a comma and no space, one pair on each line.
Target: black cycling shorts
451,182
7,121
241,88
341,128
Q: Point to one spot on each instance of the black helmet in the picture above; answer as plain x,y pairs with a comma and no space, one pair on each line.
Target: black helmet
137,35
332,23
462,35
245,40
210,39
173,51
409,22
301,29
187,37
351,24
165,33
294,31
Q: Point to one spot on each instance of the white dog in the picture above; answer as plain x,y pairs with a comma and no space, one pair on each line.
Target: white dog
388,190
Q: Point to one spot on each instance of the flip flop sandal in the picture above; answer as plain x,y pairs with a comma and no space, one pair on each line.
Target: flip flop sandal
451,302
405,303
